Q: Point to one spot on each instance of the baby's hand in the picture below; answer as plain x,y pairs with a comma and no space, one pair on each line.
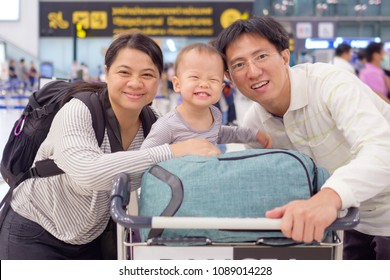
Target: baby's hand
200,147
264,139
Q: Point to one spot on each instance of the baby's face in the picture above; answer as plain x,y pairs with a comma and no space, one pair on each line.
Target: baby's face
199,78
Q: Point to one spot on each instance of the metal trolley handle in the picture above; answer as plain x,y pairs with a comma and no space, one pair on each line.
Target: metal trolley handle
120,197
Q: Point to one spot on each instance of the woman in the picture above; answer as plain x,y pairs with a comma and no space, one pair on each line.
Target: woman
65,216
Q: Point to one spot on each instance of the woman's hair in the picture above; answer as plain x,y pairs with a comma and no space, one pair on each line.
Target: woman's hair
138,41
200,48
264,26
372,48
132,40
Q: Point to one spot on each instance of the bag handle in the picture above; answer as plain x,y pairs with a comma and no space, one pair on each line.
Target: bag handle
120,197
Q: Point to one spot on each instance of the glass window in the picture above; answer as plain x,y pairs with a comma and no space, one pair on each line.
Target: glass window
357,13
283,8
364,29
385,31
385,8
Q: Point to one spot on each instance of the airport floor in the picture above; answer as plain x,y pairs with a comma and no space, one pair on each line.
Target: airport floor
10,111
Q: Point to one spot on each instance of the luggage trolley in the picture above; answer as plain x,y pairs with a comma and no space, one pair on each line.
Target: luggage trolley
130,246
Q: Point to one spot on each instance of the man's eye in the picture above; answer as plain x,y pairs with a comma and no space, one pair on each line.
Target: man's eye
238,65
261,57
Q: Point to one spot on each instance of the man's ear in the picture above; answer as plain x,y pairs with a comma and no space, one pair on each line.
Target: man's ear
286,56
176,84
229,78
227,75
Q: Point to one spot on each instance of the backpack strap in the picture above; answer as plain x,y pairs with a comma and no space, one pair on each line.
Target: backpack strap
47,167
91,100
148,118
5,205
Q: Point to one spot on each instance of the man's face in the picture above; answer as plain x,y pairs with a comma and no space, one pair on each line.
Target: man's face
259,71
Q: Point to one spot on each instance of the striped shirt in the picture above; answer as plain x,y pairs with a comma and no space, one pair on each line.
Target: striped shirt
345,127
172,128
74,206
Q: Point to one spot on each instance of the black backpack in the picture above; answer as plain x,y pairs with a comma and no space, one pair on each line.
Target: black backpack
33,126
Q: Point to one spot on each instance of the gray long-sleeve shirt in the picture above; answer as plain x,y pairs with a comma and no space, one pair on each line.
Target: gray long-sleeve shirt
172,128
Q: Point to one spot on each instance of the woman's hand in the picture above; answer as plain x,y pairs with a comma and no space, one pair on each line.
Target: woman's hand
200,147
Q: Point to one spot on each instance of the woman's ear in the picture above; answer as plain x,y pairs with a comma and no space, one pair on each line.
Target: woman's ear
176,84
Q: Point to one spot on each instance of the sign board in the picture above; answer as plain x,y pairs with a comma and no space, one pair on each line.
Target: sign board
304,30
160,18
10,10
326,30
233,253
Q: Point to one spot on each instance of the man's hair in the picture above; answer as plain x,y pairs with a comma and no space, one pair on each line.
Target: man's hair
372,48
264,26
342,48
361,54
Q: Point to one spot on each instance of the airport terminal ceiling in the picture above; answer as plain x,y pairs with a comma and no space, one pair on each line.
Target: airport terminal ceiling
198,21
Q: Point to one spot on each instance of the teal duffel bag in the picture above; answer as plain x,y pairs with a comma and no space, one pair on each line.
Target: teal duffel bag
242,184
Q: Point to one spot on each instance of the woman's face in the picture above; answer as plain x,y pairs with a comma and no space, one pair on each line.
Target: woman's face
132,80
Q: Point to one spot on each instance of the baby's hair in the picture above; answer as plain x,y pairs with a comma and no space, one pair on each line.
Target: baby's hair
200,48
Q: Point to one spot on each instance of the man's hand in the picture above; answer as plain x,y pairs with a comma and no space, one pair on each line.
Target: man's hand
306,220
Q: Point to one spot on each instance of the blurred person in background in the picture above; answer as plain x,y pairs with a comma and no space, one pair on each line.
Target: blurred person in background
13,81
360,61
373,74
23,74
32,75
342,58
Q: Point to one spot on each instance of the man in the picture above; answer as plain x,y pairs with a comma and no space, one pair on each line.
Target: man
360,61
342,58
327,114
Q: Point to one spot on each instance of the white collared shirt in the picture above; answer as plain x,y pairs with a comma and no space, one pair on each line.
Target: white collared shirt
345,127
343,64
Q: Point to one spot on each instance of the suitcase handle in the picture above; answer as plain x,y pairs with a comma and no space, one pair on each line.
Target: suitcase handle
120,197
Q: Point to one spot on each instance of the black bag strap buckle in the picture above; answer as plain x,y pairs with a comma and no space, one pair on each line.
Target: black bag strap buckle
33,172
44,111
40,112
